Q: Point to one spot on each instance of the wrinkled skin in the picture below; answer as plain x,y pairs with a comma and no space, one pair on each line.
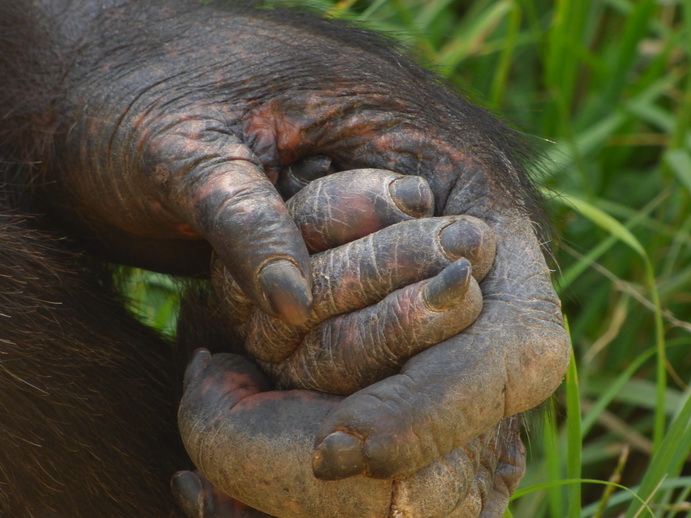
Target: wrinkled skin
363,327
473,480
359,339
157,129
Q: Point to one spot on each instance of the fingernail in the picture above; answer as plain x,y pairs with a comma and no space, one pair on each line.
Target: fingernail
412,195
187,491
446,289
286,291
339,456
461,239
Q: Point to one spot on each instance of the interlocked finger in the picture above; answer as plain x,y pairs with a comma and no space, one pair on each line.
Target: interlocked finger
349,352
362,273
334,211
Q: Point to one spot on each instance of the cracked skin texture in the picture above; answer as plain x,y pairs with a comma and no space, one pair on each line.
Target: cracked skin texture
267,466
159,139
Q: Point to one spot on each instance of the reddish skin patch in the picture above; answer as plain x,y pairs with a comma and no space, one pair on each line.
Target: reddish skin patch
354,207
289,139
352,217
140,122
261,127
283,135
257,400
185,230
232,384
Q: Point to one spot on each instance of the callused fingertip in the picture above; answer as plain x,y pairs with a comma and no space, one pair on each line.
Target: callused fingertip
340,455
187,492
446,290
460,239
285,291
412,196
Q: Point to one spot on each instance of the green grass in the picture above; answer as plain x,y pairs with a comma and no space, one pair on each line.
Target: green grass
605,87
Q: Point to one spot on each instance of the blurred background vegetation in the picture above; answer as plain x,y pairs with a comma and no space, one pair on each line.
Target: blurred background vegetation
603,88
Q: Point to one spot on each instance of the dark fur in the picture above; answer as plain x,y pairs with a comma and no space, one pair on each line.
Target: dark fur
87,416
87,394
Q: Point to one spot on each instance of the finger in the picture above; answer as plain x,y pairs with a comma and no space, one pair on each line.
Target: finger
198,498
510,359
335,210
507,474
346,206
215,183
463,483
256,446
347,353
365,271
243,217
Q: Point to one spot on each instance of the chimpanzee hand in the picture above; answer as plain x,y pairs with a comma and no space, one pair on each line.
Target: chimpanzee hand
256,445
165,124
305,88
360,332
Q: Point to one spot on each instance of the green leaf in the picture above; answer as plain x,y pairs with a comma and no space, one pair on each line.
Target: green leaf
679,161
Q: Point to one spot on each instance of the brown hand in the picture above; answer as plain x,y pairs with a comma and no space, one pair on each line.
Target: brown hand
223,394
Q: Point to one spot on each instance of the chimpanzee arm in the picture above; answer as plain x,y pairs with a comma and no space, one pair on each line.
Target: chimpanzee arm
167,114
